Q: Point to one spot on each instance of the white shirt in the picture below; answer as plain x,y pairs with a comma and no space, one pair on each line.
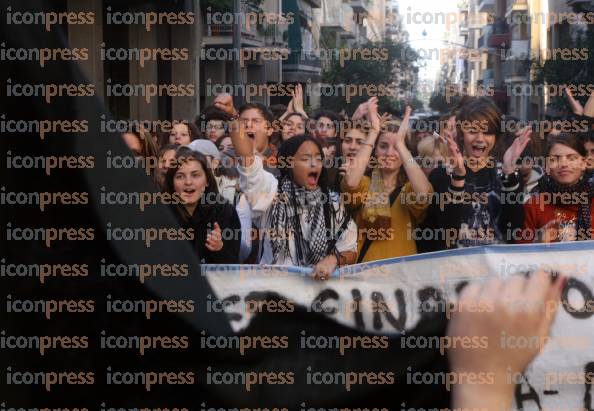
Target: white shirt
260,188
227,188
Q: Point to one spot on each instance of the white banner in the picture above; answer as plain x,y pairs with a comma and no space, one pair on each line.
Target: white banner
388,296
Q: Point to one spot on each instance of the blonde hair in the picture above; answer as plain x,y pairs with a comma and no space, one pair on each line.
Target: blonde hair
427,146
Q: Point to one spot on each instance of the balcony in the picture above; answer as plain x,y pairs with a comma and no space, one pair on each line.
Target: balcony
301,67
483,41
332,14
274,35
361,6
516,6
222,34
500,35
520,50
486,6
500,40
515,70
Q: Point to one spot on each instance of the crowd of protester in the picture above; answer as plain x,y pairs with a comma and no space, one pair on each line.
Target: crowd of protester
278,186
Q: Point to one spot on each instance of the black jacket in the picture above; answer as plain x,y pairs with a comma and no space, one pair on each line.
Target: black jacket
485,216
203,220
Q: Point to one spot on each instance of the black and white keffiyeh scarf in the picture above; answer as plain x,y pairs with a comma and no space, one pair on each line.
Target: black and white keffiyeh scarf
284,224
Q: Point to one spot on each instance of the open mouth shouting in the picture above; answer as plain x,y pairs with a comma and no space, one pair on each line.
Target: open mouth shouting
251,134
479,149
312,178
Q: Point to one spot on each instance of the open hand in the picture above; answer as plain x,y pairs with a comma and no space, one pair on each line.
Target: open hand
404,125
513,153
575,105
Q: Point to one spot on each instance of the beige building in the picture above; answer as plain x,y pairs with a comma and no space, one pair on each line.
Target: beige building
521,31
118,30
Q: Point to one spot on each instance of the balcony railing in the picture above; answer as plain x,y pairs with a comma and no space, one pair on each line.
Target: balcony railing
332,14
516,5
486,6
248,30
483,41
515,68
500,36
502,40
520,49
361,6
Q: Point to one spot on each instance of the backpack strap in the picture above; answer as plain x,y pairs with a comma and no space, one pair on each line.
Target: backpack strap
393,195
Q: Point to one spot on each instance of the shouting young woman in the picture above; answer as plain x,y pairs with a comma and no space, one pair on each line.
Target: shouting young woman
304,223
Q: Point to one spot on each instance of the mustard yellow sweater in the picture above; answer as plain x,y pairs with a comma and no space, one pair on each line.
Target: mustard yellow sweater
406,212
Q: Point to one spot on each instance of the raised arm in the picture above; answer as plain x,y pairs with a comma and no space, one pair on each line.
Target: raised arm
244,146
298,101
416,176
575,105
356,168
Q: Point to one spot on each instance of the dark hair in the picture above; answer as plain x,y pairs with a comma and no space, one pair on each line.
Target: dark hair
146,141
208,114
192,129
333,116
224,169
569,140
213,113
294,113
220,139
183,155
483,111
265,111
288,149
164,148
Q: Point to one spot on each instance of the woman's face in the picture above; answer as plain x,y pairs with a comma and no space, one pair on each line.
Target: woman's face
292,126
325,128
352,143
215,129
386,153
180,134
166,160
307,166
565,165
478,145
190,182
133,143
225,144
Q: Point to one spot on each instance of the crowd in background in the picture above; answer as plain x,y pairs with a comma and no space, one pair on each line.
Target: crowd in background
274,185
